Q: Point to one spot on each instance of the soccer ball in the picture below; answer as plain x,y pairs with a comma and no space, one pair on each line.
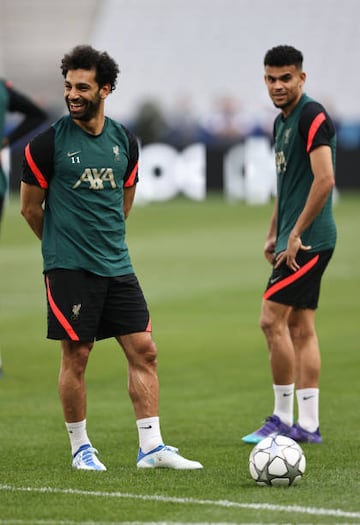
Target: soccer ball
277,460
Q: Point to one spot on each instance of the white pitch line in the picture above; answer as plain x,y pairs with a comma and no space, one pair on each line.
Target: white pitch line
62,522
188,501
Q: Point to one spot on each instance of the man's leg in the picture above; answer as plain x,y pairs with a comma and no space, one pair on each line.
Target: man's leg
308,365
307,352
274,324
72,392
141,354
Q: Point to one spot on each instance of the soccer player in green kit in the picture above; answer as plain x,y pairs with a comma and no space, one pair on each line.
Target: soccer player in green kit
77,189
12,101
299,245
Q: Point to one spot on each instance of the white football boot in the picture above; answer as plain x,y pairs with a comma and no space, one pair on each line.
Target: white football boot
86,459
166,457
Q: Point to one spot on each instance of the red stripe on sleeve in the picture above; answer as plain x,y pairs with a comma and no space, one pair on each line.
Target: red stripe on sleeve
292,278
315,125
36,171
131,179
60,316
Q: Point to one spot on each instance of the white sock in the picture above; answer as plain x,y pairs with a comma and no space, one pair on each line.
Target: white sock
284,403
308,408
149,433
78,435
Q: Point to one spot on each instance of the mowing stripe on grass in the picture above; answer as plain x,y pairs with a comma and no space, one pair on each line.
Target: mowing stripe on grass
188,501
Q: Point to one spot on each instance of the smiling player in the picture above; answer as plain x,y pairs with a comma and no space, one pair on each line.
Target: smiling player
77,190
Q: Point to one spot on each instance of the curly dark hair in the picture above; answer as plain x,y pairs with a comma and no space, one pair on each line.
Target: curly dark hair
280,56
86,57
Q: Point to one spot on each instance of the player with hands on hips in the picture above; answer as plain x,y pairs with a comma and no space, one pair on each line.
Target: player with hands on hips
299,245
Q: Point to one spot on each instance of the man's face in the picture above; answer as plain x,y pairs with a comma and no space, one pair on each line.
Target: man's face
82,94
284,85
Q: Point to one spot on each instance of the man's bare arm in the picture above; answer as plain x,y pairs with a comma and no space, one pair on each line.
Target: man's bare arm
32,198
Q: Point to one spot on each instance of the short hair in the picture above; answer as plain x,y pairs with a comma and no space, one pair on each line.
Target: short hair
280,56
86,57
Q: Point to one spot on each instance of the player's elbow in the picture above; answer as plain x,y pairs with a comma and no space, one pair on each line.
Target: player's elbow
25,211
330,178
28,211
330,183
326,182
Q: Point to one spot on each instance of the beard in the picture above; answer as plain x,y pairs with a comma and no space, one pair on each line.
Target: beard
87,110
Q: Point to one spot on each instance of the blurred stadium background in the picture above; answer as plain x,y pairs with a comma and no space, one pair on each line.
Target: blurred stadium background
190,72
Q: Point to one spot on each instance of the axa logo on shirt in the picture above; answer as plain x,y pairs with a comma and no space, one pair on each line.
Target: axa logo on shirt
95,178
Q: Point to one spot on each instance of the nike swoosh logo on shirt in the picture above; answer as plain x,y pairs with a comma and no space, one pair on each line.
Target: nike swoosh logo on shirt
72,153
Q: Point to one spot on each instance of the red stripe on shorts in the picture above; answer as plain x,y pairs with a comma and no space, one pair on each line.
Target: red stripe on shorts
292,278
60,316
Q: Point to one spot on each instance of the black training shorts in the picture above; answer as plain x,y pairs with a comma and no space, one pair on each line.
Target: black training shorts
300,289
83,306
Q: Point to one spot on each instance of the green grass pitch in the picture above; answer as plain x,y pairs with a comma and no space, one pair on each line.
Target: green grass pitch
203,272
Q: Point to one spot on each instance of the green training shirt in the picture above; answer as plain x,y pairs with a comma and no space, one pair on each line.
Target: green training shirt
84,177
306,128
